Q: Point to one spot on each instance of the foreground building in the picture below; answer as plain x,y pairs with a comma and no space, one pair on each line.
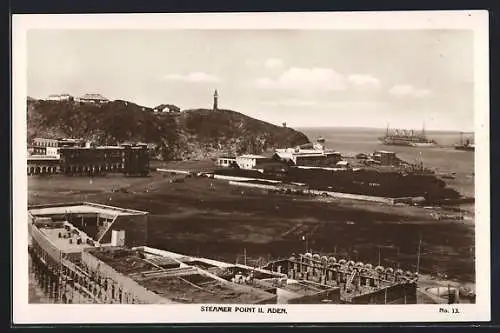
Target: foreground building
358,283
91,253
249,161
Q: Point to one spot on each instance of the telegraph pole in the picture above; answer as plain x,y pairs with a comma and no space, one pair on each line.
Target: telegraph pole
418,257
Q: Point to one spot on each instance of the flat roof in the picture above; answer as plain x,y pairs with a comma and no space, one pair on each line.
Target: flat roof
80,208
187,284
43,157
63,244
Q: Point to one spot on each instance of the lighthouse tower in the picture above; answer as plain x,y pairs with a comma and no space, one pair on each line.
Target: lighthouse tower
216,97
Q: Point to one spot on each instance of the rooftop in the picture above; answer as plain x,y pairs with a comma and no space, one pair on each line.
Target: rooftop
80,208
63,240
306,288
93,96
167,278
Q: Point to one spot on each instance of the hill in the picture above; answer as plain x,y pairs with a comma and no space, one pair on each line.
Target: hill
190,134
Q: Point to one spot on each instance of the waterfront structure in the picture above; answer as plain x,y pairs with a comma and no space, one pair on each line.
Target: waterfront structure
92,253
311,154
250,161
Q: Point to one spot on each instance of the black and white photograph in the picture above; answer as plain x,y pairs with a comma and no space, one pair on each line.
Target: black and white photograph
264,167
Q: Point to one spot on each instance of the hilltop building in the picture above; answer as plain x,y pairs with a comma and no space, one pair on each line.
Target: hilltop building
167,108
60,97
92,99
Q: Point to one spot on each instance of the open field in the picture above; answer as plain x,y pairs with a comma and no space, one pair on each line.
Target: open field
188,217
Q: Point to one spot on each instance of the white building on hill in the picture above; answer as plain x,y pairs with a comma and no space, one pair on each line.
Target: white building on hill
59,97
92,99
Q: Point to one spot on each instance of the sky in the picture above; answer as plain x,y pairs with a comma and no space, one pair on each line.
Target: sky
306,78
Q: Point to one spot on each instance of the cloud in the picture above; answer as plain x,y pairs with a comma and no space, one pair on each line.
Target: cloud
192,77
407,90
364,80
310,79
273,63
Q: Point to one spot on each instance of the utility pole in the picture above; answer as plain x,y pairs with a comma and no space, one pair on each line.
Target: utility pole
419,248
379,250
397,256
245,255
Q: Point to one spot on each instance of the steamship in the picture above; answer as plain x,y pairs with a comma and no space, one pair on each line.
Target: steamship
402,137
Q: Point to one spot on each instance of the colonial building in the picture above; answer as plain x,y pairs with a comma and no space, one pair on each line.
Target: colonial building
127,159
57,143
92,99
42,165
79,160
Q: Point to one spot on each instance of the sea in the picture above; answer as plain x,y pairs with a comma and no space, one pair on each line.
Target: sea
442,158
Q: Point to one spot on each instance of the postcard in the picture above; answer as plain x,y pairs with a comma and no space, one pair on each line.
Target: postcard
263,167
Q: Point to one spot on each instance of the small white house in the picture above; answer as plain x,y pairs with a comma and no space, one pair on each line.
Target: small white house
250,161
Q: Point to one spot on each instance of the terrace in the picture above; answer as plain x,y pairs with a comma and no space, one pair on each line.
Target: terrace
63,240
